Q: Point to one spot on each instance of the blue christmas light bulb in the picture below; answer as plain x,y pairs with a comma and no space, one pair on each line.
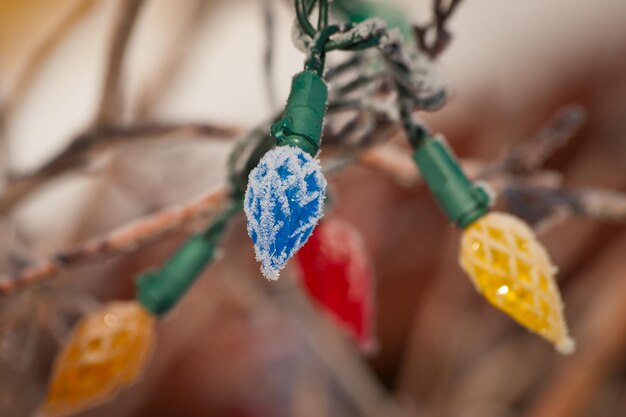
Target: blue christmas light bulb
283,203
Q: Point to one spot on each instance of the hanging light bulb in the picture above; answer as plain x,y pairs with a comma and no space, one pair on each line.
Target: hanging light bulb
499,252
512,270
105,352
108,349
337,273
285,196
284,201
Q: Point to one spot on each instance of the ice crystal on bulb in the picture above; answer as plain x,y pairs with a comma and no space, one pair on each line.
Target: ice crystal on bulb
283,203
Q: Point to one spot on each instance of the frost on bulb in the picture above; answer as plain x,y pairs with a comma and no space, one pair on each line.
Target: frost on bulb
512,270
105,352
283,203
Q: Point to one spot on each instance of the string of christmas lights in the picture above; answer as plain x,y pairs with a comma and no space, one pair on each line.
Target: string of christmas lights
282,191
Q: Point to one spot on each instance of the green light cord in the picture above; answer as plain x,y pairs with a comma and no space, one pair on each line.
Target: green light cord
317,54
159,291
324,44
302,13
322,20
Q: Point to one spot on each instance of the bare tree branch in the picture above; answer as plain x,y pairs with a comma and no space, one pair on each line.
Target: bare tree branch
434,37
111,101
126,239
545,206
529,156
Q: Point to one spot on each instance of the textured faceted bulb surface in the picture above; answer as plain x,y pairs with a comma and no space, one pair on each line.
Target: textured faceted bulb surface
283,203
512,270
105,352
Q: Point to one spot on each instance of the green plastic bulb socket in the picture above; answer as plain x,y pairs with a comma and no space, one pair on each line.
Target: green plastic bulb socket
303,119
462,201
158,291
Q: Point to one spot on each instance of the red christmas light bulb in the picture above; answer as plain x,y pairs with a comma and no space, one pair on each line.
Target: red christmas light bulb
336,271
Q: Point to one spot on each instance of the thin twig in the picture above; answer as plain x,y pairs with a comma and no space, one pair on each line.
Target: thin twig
126,239
546,207
526,158
110,110
442,11
396,162
80,151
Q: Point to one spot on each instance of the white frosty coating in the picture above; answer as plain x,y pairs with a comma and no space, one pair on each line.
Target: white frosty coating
267,189
374,27
427,81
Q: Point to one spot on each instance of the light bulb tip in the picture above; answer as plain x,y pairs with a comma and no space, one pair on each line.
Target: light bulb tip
567,346
272,274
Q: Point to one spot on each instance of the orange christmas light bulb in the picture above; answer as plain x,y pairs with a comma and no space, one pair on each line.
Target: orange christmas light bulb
105,352
512,270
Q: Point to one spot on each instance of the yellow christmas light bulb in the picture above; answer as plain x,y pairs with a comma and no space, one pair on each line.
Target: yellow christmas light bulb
105,352
512,270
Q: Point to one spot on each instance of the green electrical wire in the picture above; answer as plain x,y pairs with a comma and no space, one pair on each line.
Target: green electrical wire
322,20
302,14
315,62
159,291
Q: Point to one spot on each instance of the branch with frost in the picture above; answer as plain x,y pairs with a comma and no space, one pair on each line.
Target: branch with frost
125,239
129,237
396,162
545,207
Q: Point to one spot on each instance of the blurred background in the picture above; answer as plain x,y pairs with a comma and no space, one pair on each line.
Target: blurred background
193,72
